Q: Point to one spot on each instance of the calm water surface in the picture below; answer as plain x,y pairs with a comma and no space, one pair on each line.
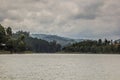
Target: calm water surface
59,67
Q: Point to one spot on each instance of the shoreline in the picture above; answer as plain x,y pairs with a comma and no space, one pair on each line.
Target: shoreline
58,53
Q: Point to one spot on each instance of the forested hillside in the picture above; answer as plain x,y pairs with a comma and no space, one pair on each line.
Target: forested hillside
63,41
21,41
38,45
89,46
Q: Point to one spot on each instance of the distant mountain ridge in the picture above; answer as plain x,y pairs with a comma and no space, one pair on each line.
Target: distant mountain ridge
61,40
118,40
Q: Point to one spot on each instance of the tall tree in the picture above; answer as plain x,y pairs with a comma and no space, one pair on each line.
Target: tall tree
2,34
9,31
100,41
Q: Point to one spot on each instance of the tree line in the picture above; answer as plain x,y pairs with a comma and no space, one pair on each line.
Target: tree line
38,45
21,41
96,46
11,44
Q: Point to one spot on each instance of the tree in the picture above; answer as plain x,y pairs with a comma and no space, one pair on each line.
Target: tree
12,45
2,34
21,46
21,43
100,41
21,37
9,31
105,42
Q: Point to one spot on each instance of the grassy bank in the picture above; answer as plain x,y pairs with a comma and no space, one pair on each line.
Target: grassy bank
4,52
8,52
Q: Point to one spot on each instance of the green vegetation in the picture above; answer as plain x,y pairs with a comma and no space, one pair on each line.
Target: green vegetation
38,45
22,42
8,43
90,46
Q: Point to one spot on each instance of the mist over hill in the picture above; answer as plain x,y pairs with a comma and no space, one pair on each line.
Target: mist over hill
61,40
118,40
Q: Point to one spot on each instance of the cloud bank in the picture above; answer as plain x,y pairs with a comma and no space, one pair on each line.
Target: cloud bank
91,19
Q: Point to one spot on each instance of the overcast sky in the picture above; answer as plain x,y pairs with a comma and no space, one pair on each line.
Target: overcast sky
90,19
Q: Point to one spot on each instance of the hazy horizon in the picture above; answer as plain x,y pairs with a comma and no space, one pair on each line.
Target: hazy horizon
78,19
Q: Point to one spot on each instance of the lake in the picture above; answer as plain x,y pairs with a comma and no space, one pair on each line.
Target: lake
59,67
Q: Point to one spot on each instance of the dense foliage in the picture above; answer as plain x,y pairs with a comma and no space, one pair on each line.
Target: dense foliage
11,44
21,41
90,46
38,45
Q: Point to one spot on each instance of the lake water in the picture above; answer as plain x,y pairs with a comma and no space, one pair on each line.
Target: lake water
59,67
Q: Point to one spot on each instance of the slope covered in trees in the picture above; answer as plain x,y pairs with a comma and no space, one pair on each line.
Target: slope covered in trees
21,41
90,46
11,44
38,45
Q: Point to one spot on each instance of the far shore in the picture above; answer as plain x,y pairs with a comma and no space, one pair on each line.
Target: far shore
29,52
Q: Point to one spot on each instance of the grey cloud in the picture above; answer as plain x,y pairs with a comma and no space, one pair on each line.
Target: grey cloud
91,11
72,18
1,18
